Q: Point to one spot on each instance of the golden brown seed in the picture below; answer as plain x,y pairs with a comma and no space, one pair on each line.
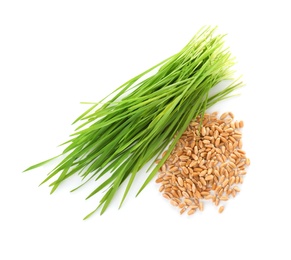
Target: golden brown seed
177,200
173,168
226,188
236,188
182,205
200,144
209,197
193,206
230,146
243,172
164,168
202,181
223,149
231,173
220,192
173,179
232,139
237,136
237,154
240,164
208,155
185,194
203,173
216,172
216,133
229,130
174,193
214,185
174,203
228,120
188,202
204,193
237,179
214,114
210,164
191,212
190,193
219,157
221,209
161,188
217,142
185,170
180,181
193,188
182,210
159,180
196,149
229,192
223,139
184,157
209,177
231,180
165,195
241,151
201,206
189,181
241,124
225,182
188,186
232,160
199,185
237,132
218,188
193,164
175,159
222,178
198,195
248,162
203,131
232,165
224,115
224,198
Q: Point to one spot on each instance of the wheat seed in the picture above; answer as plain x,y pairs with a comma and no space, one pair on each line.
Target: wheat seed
206,163
221,209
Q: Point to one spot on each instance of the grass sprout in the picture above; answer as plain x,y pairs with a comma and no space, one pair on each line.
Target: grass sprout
117,136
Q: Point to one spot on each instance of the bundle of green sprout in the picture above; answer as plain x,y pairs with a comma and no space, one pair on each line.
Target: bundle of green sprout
133,125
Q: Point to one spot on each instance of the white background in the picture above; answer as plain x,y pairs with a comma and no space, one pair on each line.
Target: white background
54,54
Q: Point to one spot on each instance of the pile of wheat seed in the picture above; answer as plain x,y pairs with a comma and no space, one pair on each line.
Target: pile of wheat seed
207,163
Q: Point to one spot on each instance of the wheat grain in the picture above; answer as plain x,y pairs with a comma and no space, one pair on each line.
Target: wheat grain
206,163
